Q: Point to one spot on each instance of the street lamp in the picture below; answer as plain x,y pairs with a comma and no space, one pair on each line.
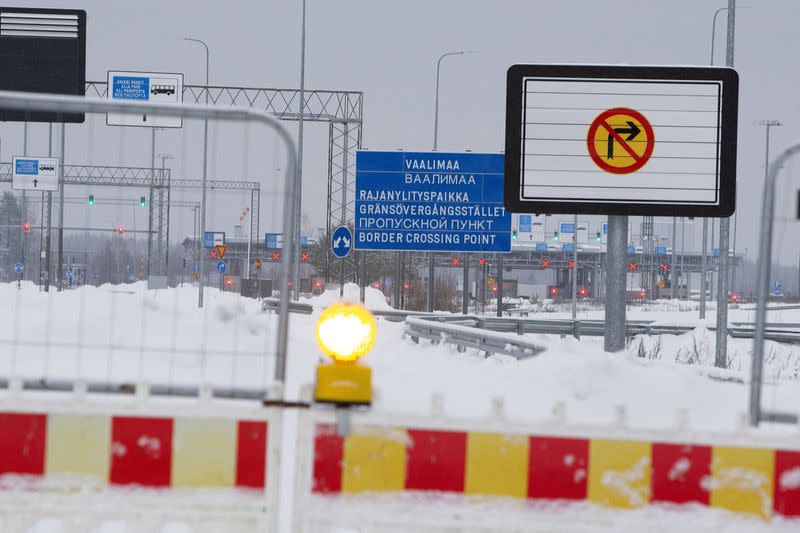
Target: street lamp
435,147
205,174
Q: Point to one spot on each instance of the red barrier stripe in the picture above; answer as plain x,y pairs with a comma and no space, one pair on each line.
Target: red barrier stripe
251,453
22,443
436,460
786,499
141,451
558,468
328,457
678,472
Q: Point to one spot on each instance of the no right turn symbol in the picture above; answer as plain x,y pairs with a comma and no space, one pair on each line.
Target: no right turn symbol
620,140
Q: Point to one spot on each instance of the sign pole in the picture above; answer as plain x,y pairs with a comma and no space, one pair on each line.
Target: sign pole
616,275
499,284
721,356
465,285
575,268
61,212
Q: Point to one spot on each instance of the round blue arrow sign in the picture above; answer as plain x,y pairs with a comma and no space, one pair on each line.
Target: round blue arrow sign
221,268
341,241
18,268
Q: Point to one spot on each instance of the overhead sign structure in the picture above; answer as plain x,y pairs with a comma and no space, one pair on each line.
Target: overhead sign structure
212,239
34,173
621,140
341,241
156,87
431,201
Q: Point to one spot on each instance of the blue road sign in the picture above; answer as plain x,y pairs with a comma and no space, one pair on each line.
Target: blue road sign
430,201
525,223
715,252
18,268
605,228
631,250
131,278
777,288
567,227
221,268
271,241
661,250
303,240
568,247
341,241
196,269
541,246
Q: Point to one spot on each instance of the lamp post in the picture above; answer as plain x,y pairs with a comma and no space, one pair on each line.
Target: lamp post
435,147
205,175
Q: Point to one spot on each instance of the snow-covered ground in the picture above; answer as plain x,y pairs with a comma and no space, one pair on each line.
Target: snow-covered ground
128,334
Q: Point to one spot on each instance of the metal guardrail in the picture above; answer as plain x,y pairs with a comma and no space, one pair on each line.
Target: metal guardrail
465,337
294,307
467,331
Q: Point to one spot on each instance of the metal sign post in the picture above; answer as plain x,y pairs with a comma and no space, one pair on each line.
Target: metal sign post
616,277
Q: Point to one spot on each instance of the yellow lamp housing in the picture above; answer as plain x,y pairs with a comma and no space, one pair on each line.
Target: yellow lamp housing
343,384
345,332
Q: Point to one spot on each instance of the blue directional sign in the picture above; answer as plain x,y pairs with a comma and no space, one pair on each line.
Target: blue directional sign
568,247
605,228
196,269
525,223
631,250
777,288
221,267
18,268
273,241
715,252
541,246
661,250
430,201
213,238
567,227
341,241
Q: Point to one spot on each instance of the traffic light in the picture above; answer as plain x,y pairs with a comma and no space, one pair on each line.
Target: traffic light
553,291
26,226
376,285
120,229
514,235
406,285
482,261
142,201
582,292
545,263
570,264
555,236
597,237
91,200
229,282
664,267
345,333
304,257
456,261
212,254
276,256
633,266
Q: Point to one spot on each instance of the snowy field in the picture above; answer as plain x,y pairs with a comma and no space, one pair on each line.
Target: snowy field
126,334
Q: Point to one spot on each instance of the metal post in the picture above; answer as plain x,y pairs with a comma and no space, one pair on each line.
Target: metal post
24,206
575,268
61,212
343,220
683,255
711,287
436,147
762,287
465,284
499,282
249,241
721,358
397,281
205,179
616,274
47,240
703,261
298,200
672,269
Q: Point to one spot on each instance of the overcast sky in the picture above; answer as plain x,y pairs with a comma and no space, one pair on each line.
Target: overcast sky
388,50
